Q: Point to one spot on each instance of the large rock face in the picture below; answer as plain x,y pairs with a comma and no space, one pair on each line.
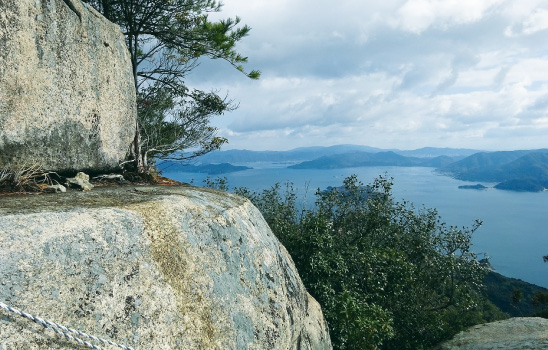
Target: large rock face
67,99
152,268
519,333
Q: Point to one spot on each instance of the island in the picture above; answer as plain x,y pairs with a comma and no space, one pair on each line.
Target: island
522,185
522,171
473,187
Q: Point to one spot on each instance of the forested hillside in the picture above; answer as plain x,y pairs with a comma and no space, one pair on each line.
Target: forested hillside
515,297
515,170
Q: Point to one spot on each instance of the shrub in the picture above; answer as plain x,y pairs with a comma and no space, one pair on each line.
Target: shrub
388,275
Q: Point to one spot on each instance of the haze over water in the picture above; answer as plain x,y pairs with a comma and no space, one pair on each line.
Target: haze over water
514,234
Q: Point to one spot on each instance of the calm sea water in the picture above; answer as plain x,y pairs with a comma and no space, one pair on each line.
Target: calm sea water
514,234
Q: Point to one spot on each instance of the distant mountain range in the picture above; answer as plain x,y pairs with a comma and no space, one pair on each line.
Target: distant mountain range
294,155
310,153
210,169
359,159
514,170
522,170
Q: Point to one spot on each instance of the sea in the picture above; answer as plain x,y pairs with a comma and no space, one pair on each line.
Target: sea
513,236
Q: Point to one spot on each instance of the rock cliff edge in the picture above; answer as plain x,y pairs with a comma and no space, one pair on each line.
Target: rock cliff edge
151,268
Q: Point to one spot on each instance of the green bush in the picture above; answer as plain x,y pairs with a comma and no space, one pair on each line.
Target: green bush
388,275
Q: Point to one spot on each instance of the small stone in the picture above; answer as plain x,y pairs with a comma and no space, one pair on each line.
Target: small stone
55,189
80,181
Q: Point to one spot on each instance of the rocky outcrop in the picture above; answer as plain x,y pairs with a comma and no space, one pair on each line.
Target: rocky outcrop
80,181
151,268
67,97
519,333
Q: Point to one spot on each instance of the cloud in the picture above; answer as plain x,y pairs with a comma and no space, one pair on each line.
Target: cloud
310,101
536,22
418,15
499,78
447,82
394,73
530,22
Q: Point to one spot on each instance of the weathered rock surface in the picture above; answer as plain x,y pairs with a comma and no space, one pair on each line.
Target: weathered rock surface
55,189
152,268
521,333
80,181
67,99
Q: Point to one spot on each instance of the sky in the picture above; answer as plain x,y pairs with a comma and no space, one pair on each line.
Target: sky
390,74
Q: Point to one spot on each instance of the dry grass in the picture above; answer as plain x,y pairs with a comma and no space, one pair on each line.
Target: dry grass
26,178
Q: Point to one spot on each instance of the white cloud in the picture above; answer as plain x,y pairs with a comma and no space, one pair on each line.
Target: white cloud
418,15
527,19
529,71
536,22
499,78
391,73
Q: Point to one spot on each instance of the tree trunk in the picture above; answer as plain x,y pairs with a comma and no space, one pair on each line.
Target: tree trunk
140,161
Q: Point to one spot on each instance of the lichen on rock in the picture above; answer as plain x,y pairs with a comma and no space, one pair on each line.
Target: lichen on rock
67,96
152,268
